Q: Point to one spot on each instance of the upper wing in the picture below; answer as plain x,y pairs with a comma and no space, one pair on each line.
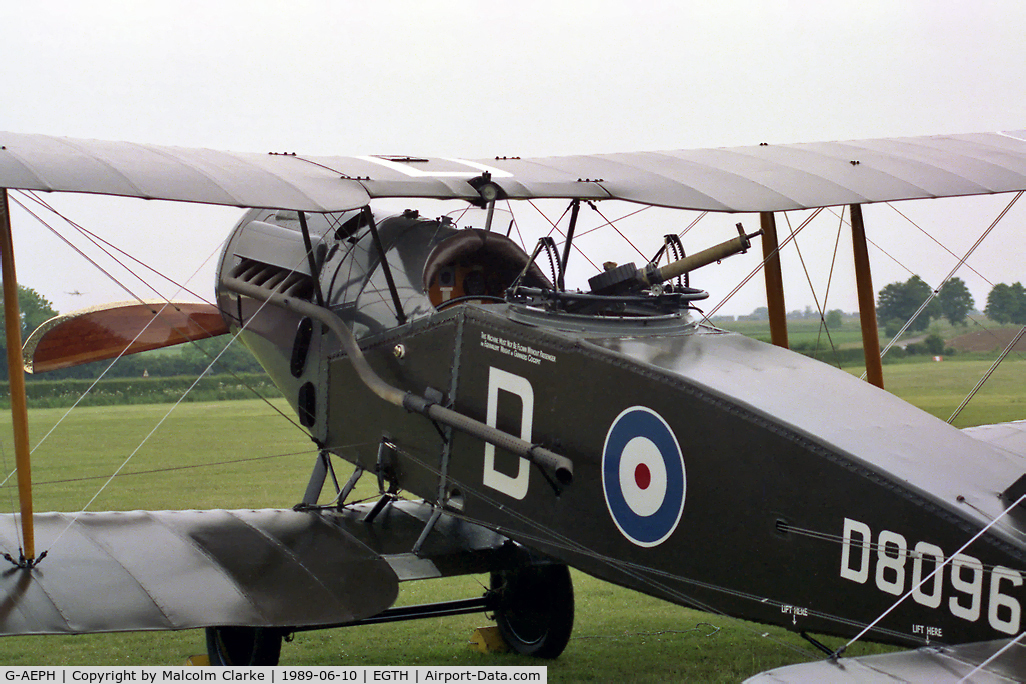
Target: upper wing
803,176
740,179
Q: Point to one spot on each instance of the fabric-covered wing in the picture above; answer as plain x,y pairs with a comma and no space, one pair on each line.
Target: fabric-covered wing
1005,662
802,176
118,329
740,179
143,570
52,164
272,181
1011,436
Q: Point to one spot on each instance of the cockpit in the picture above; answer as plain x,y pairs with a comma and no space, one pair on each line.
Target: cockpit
474,264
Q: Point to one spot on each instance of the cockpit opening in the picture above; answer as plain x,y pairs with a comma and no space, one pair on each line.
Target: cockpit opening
475,263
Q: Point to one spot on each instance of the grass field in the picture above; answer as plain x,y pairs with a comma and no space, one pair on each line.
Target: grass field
619,635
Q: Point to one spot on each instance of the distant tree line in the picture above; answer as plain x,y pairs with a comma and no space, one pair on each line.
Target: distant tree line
898,302
1007,303
834,318
187,359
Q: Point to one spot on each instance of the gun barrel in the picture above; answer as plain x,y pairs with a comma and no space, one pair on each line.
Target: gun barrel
740,244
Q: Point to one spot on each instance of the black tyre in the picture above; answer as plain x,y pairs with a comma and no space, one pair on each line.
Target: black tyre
242,646
535,609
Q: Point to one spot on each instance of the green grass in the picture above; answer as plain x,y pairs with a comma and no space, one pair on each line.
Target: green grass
849,335
939,388
618,635
803,332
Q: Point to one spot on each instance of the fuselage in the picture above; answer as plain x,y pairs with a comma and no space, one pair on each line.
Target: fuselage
711,470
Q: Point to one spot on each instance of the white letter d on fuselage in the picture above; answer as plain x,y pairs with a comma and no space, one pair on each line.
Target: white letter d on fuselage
515,487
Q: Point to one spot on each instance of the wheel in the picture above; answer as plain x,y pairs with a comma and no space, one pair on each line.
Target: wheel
535,609
243,645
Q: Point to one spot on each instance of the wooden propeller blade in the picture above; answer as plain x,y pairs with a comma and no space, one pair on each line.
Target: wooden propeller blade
104,332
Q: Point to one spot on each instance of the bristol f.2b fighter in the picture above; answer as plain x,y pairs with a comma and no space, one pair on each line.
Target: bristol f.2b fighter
540,427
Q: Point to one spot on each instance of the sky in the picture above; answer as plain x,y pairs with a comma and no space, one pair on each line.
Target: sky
477,80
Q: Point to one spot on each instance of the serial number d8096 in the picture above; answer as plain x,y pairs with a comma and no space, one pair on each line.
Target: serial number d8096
965,575
327,674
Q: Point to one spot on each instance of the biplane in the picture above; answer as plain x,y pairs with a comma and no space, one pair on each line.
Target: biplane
539,426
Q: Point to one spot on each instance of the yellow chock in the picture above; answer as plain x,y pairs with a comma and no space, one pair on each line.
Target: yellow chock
200,660
488,640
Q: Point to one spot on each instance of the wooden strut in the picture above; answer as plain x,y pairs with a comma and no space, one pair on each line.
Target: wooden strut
16,373
774,280
867,299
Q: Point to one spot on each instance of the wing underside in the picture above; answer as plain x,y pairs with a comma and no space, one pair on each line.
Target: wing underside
990,661
143,570
164,570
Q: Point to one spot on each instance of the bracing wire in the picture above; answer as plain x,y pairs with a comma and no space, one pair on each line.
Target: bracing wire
171,469
555,227
761,265
694,223
992,658
934,292
628,215
830,280
937,242
937,568
618,231
547,536
82,254
174,406
146,439
986,376
815,298
118,357
908,270
96,239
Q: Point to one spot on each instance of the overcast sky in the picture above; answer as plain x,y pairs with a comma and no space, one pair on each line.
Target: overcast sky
527,78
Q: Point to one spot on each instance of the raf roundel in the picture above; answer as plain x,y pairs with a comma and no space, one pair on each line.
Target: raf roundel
643,476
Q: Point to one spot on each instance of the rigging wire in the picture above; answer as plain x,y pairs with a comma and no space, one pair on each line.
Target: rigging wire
986,376
976,322
937,568
875,547
761,265
94,238
547,536
815,297
513,224
618,231
85,256
628,635
149,435
119,356
626,216
129,458
692,225
938,242
992,658
162,420
555,227
191,466
830,281
168,301
934,292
